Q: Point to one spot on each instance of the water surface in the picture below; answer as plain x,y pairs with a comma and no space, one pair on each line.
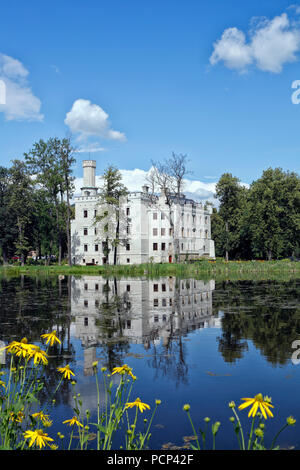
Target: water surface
188,341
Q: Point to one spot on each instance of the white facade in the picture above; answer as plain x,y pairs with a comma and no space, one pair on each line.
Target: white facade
152,230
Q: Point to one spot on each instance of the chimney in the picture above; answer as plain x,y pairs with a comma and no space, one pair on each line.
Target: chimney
145,189
89,167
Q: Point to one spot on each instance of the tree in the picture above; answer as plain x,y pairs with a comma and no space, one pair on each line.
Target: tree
167,178
67,187
44,223
51,163
20,203
232,197
111,219
7,221
274,215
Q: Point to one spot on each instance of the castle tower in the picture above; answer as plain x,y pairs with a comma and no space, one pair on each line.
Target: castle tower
89,186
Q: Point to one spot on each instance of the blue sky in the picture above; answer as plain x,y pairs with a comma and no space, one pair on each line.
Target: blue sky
134,80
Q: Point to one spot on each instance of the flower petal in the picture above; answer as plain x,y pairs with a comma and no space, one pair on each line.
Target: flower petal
248,403
262,409
253,410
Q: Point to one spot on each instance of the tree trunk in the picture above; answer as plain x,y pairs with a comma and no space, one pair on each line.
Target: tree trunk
117,240
58,232
68,229
227,242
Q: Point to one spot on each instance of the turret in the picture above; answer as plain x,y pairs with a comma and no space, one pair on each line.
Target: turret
89,186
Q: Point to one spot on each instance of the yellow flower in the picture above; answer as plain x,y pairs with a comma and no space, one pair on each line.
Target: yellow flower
18,418
51,337
43,417
138,403
125,369
38,438
290,421
20,348
257,402
39,355
66,371
72,421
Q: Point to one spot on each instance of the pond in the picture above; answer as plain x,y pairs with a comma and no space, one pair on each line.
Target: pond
188,341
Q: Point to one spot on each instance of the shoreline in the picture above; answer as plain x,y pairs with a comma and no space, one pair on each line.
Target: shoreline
206,268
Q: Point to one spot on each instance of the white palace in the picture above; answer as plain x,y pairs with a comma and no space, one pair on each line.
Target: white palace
152,230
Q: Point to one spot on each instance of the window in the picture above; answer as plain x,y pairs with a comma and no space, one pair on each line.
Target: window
170,232
85,231
154,232
127,247
154,246
86,321
163,287
163,232
128,287
85,213
127,210
155,302
128,260
96,231
156,319
162,216
154,215
155,287
85,287
96,247
164,302
128,230
85,247
96,286
163,246
95,213
86,303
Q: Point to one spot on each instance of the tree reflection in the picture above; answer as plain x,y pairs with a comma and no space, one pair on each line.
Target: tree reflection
267,313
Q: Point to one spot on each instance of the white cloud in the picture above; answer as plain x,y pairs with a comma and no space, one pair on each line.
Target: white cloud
20,102
86,119
91,148
232,50
271,44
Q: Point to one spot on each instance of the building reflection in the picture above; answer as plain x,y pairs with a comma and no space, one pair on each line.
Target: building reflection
114,313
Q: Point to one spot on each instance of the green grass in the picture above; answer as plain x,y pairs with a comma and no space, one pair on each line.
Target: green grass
203,268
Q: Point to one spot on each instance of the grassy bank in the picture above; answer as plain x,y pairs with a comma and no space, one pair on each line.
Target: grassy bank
205,268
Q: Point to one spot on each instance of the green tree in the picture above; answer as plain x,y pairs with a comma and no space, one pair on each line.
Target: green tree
227,225
20,203
111,219
274,215
7,220
51,163
44,223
